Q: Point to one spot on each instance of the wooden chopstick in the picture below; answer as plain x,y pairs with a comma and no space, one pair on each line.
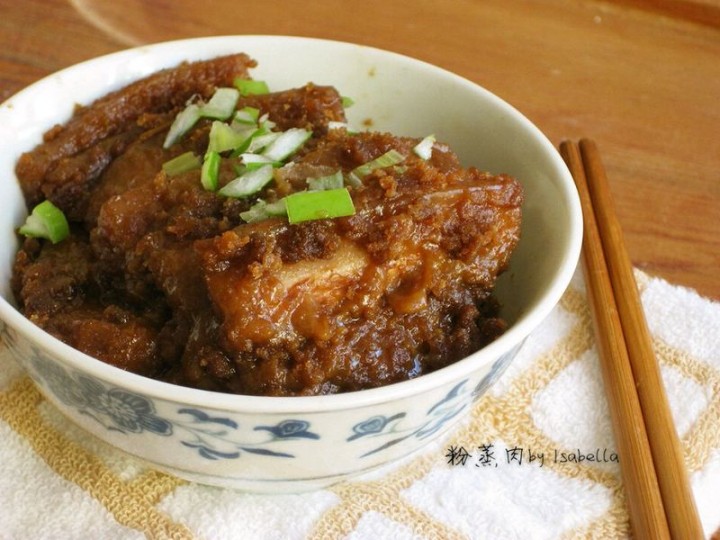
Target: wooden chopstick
647,514
667,453
654,476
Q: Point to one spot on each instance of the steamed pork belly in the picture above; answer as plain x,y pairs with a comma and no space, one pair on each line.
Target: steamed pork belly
59,289
120,111
211,280
397,290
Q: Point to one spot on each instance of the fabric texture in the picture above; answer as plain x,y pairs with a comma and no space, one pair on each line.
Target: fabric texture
536,457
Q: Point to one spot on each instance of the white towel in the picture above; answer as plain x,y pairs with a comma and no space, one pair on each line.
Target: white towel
536,457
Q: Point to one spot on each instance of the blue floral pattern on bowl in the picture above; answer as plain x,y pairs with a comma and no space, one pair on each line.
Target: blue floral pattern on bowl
217,436
497,369
451,405
454,402
373,425
290,429
213,437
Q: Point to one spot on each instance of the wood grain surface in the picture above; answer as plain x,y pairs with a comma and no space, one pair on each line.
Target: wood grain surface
640,78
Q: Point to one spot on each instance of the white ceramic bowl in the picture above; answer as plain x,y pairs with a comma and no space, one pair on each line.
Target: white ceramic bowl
293,444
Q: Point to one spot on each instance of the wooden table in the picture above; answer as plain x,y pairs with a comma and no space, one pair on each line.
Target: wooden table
641,78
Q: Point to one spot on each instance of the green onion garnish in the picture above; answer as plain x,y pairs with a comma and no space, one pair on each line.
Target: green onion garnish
183,122
388,159
260,141
210,171
286,144
342,125
262,210
347,101
322,183
249,183
249,87
183,163
424,148
266,124
400,169
337,125
223,138
221,104
46,221
255,161
311,205
247,115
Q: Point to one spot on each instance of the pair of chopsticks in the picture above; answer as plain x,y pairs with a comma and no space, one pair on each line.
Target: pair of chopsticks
656,484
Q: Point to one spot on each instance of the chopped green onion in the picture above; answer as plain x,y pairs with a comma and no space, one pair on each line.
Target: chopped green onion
258,142
332,181
388,159
400,169
347,101
183,123
46,221
239,169
247,115
183,163
249,134
249,183
286,144
311,205
342,125
221,104
353,180
262,210
254,161
424,148
249,87
223,138
210,171
266,124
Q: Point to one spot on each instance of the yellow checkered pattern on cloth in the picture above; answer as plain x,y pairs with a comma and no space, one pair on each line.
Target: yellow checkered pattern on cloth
404,498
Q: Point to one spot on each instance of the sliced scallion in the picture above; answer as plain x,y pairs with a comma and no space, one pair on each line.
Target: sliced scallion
261,140
342,125
400,169
424,148
322,183
337,125
286,144
353,180
249,87
388,159
266,124
255,161
311,205
249,183
239,169
185,162
347,101
247,116
221,104
183,123
262,210
46,221
223,138
210,171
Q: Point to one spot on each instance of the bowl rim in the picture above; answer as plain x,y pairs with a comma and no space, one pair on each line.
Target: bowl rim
169,392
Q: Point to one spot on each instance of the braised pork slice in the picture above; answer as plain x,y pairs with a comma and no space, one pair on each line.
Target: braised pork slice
397,290
116,113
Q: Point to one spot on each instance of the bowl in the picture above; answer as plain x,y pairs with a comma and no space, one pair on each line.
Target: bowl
290,444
